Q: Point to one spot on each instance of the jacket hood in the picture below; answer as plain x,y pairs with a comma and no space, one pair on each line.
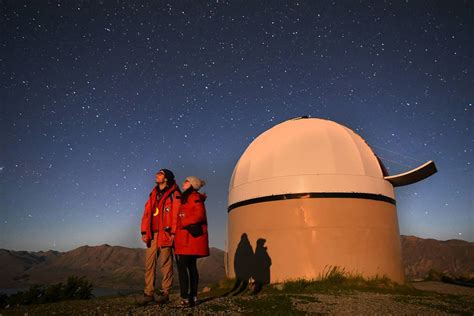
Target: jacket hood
203,196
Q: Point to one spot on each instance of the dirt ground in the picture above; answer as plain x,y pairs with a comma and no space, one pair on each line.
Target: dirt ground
433,298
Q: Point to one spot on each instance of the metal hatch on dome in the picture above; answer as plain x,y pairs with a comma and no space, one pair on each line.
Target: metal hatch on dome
422,172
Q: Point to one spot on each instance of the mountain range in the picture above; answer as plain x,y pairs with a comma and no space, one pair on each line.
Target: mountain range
122,268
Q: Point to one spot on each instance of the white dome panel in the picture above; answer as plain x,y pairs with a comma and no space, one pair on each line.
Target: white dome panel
307,155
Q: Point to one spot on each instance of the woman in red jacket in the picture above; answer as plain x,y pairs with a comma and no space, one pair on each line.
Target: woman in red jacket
191,239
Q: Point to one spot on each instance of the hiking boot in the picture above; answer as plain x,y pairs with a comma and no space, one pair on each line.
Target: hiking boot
184,303
191,302
163,298
147,299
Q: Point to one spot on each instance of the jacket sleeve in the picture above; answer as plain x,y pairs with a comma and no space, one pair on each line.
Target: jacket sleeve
175,211
198,213
146,216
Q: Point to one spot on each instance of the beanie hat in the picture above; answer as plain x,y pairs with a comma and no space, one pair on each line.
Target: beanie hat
168,175
196,183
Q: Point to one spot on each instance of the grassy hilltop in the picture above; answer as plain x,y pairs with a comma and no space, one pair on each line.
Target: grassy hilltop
335,293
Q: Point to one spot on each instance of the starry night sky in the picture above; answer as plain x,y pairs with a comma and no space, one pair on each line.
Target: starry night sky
96,96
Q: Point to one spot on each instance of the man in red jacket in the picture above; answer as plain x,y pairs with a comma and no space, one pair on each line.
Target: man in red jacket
158,229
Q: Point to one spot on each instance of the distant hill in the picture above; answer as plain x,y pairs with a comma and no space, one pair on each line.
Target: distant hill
451,256
16,263
120,267
106,266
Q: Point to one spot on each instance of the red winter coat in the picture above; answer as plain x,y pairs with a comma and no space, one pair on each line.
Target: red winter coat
168,207
192,212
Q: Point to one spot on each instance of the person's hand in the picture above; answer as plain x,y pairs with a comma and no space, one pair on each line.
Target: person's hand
145,240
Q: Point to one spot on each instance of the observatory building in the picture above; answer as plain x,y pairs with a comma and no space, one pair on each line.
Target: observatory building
313,195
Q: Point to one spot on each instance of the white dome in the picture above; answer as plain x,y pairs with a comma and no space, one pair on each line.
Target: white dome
307,156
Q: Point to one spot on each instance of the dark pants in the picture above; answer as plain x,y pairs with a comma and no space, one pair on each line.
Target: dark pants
188,275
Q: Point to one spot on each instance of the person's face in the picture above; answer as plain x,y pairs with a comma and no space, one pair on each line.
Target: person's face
186,185
160,178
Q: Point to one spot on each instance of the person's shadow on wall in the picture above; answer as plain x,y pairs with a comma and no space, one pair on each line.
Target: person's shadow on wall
261,268
243,262
251,266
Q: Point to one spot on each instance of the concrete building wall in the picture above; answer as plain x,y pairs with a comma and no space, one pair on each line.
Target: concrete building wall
306,236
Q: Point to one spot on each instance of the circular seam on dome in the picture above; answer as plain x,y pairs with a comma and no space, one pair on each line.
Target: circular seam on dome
308,174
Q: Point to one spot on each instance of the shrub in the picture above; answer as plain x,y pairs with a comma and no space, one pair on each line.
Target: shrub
334,275
335,280
3,299
53,293
75,288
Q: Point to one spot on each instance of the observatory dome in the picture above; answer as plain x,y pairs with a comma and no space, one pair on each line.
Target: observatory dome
307,155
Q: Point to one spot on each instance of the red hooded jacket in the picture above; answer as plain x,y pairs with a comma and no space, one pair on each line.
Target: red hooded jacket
192,212
167,211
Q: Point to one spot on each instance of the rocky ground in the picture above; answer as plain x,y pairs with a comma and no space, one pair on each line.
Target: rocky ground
425,298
